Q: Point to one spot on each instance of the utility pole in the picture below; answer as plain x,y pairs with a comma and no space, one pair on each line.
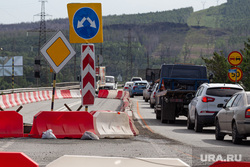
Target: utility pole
129,55
42,40
203,3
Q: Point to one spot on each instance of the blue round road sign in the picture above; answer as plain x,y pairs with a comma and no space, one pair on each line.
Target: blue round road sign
86,23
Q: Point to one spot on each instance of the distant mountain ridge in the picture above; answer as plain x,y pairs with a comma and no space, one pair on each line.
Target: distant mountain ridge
177,36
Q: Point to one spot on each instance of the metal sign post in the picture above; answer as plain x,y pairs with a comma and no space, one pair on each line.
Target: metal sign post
53,92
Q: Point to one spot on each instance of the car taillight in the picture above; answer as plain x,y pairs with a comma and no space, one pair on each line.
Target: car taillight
247,113
154,95
206,99
134,87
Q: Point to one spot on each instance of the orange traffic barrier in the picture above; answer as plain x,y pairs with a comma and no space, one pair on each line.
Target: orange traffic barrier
103,93
15,159
64,124
11,124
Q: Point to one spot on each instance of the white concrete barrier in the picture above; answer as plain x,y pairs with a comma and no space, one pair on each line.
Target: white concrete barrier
112,124
94,161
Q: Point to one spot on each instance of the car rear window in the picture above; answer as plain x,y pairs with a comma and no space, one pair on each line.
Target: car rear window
222,91
141,84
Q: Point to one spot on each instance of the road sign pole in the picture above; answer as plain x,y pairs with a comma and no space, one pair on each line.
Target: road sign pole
236,76
13,80
53,93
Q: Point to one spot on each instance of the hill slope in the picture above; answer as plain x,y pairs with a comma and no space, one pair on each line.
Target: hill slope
155,38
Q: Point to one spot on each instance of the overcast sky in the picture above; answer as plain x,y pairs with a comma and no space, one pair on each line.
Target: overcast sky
17,11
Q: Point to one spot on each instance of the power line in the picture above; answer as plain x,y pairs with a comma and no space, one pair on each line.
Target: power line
42,40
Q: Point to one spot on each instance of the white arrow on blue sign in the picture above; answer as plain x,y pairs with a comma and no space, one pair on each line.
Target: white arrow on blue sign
86,23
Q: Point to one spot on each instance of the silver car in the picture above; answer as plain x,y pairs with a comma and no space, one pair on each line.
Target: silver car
204,106
147,92
234,118
152,96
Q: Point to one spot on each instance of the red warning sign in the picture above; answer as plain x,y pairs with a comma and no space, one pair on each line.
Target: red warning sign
88,74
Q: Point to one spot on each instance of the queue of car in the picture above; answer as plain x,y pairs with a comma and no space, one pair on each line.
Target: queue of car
136,86
225,106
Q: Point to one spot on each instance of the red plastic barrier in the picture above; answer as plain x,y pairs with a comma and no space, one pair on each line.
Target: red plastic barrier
49,94
103,93
16,99
119,94
5,101
16,159
66,94
64,124
11,124
36,96
22,98
230,164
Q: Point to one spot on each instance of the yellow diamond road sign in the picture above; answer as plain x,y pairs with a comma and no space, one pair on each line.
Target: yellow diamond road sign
85,22
58,52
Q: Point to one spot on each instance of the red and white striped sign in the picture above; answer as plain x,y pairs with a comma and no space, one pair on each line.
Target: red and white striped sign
88,74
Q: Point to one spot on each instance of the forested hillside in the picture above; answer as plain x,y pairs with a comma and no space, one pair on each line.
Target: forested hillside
135,42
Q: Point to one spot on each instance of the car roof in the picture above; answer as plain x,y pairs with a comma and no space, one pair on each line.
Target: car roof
140,81
129,82
213,85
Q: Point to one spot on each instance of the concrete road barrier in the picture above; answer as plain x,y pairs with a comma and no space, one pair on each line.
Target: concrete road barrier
79,161
112,124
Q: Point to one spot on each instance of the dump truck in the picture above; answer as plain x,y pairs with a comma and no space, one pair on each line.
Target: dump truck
100,77
177,86
152,74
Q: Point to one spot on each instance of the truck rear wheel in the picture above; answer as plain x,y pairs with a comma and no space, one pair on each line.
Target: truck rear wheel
158,114
168,112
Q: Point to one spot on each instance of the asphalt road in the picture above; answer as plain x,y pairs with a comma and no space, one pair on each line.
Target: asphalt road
44,151
199,142
156,140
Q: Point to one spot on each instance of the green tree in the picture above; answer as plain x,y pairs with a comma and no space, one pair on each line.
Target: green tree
245,65
218,66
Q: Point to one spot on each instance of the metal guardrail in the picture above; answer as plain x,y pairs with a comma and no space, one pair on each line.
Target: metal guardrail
59,86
